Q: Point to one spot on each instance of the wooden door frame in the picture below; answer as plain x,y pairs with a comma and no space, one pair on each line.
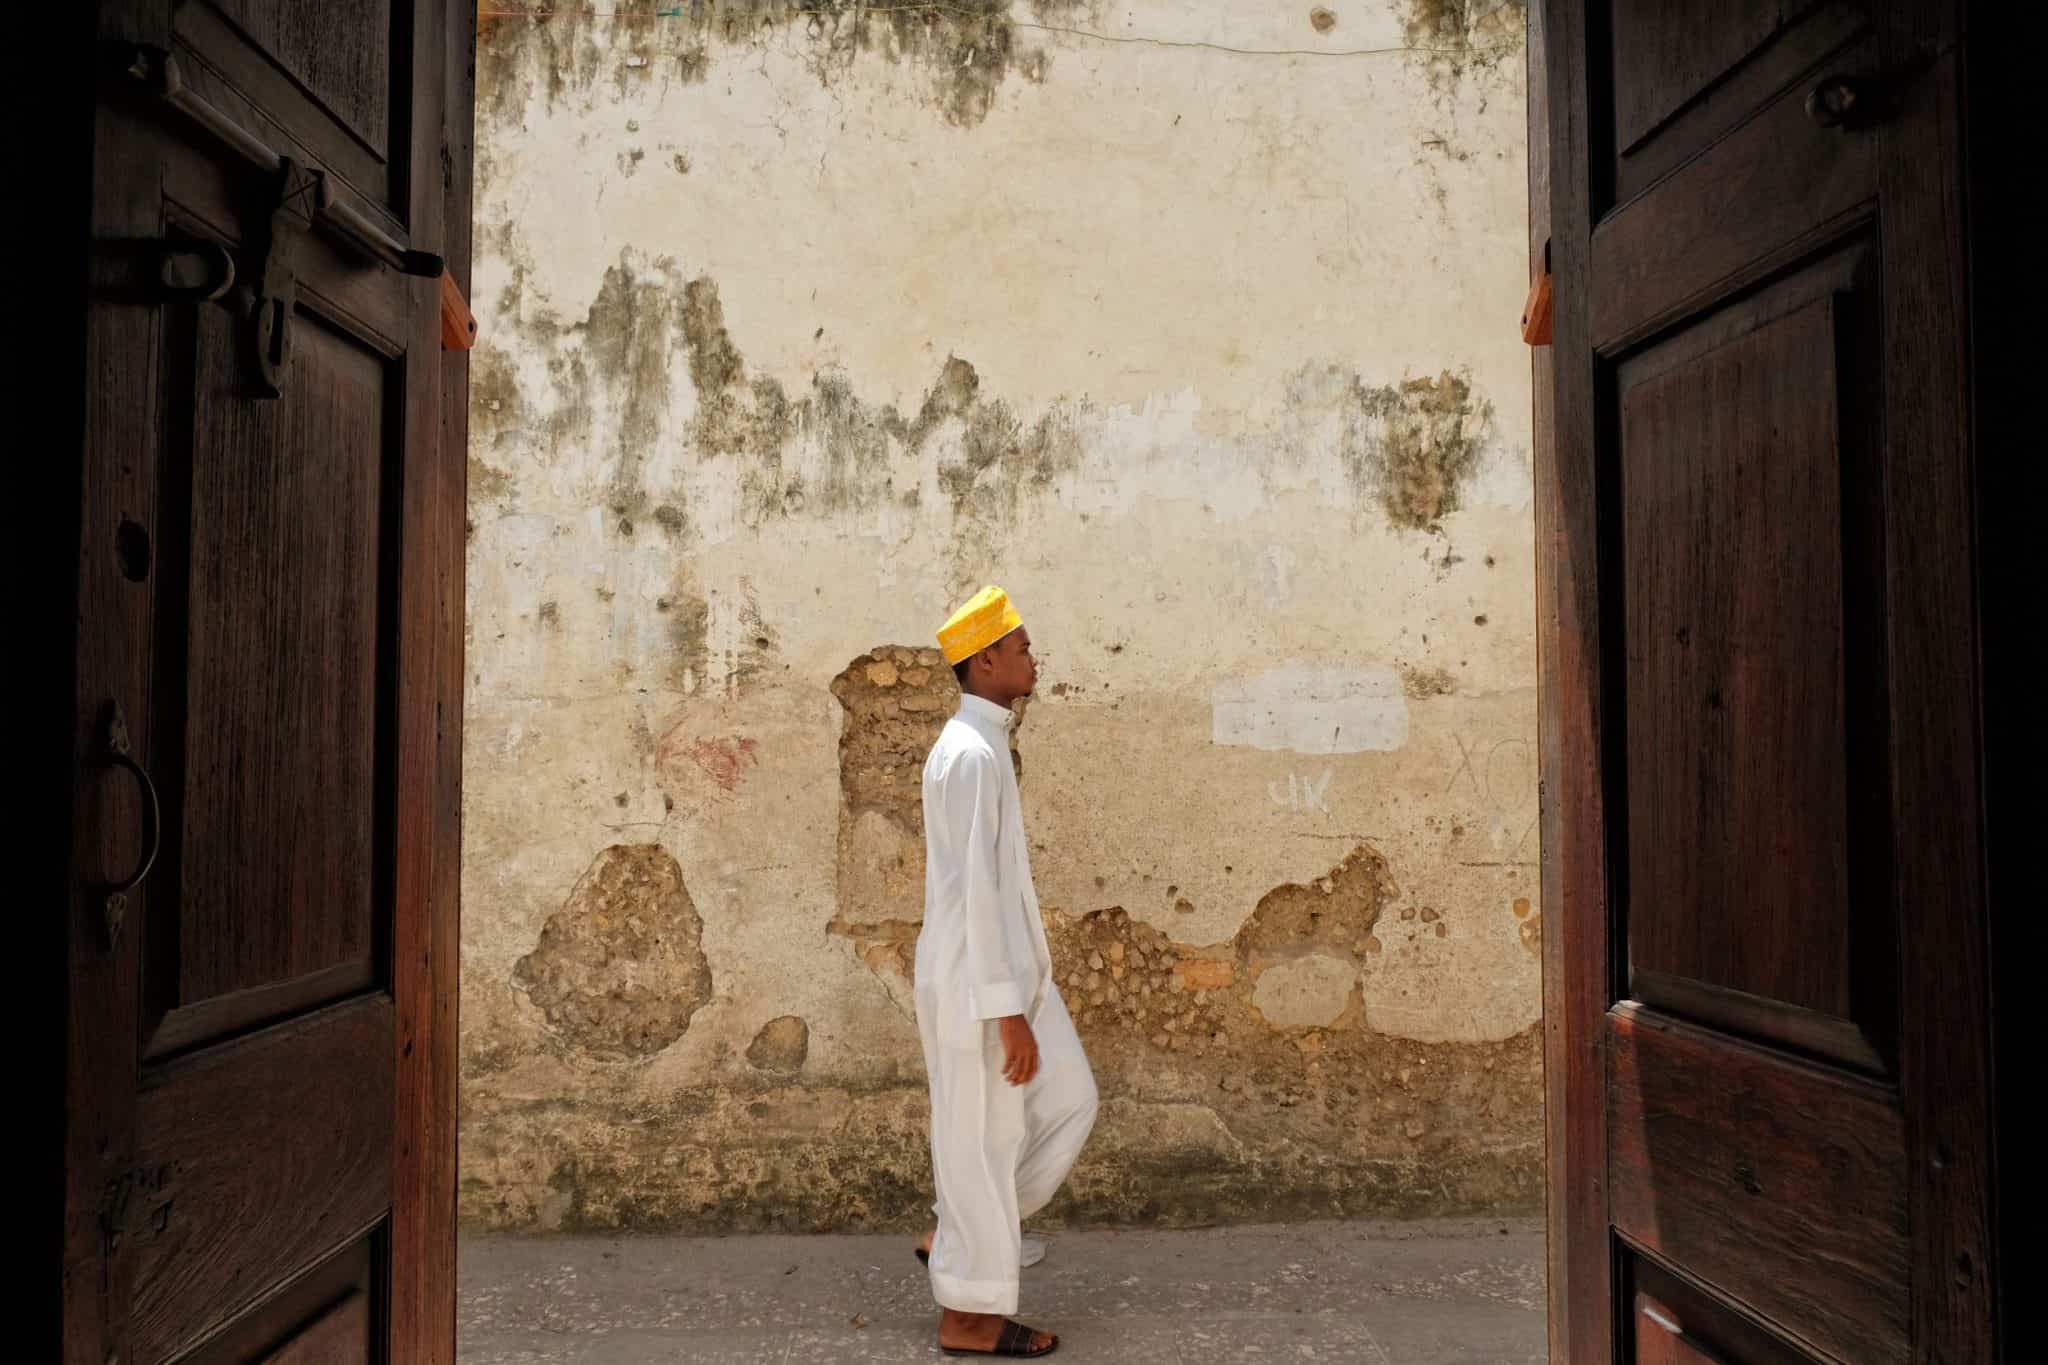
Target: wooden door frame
1579,1268
426,949
1998,293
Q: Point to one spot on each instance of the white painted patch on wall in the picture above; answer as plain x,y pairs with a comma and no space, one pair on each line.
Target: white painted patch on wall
1305,710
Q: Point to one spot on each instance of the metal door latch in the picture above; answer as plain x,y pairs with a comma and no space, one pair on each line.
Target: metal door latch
277,282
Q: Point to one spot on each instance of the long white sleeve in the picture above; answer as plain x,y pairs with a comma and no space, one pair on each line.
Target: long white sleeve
995,986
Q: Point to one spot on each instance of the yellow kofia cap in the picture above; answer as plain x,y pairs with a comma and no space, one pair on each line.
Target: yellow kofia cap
987,618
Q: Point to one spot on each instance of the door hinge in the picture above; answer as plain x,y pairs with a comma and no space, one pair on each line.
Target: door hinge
114,1196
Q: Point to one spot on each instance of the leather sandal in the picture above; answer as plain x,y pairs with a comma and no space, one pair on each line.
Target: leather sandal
1013,1342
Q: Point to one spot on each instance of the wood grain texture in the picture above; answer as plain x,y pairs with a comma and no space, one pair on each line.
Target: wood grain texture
347,1277
279,107
1578,972
253,1161
1781,1184
1677,52
426,944
1930,475
1792,56
338,51
1752,202
1557,1129
280,733
1730,504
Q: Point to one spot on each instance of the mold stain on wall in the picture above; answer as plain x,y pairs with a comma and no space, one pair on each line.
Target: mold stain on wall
961,51
1414,444
822,453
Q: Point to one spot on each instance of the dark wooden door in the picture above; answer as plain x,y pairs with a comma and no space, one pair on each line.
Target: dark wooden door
1768,999
259,1147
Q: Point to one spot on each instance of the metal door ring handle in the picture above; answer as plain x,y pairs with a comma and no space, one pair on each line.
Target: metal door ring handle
152,825
117,755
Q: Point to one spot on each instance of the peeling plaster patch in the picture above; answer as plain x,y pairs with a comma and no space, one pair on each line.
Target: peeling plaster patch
896,700
781,1045
1230,1091
1130,986
1300,709
619,969
1336,911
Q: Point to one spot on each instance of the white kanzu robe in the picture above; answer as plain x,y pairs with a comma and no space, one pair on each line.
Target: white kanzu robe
999,1151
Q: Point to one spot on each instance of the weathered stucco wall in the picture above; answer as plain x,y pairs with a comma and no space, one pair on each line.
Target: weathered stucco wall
1193,324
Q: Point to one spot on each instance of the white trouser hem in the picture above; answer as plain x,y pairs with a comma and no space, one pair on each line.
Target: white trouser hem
975,1296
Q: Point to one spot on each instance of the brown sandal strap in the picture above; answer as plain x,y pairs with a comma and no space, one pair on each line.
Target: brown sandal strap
1012,1342
1016,1340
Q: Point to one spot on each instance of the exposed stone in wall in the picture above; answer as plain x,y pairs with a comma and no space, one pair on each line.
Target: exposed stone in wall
781,1045
1130,987
896,701
620,968
1278,1008
1266,1036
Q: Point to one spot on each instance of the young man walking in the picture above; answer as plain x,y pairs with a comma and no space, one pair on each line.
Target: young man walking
1013,1098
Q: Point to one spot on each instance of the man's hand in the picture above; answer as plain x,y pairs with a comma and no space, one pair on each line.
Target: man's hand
1020,1049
